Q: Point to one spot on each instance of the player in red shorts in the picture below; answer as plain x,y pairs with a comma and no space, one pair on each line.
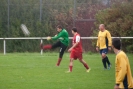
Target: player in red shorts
76,51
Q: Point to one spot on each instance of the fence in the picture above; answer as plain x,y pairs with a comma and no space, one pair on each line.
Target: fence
42,16
42,38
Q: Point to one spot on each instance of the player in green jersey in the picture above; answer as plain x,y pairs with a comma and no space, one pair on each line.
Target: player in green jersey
62,43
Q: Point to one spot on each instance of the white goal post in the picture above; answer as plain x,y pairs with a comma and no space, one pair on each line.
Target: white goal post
42,38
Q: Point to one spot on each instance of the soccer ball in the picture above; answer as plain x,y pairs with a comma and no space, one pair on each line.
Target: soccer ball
48,38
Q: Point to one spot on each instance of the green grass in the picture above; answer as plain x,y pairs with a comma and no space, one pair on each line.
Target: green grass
35,71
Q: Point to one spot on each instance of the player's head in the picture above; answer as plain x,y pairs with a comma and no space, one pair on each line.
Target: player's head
74,30
116,43
101,27
59,28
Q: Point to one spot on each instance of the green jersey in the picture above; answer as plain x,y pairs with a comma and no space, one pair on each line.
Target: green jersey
63,36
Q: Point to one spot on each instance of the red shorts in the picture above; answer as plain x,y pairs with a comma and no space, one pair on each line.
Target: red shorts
76,55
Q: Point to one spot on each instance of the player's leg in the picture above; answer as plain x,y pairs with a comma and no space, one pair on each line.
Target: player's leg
61,53
79,55
105,51
125,82
103,55
56,45
71,65
72,57
108,62
84,63
49,46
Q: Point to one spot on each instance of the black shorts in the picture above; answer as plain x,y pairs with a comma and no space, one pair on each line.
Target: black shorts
105,51
62,48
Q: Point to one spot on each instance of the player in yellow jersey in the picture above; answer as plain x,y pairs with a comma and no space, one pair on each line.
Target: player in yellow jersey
104,43
123,74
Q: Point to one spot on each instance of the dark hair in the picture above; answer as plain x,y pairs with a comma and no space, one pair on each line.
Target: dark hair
59,26
116,43
74,29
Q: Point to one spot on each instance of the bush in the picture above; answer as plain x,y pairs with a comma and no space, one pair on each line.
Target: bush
118,19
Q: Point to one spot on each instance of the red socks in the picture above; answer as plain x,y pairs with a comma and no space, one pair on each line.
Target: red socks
59,60
86,66
47,47
70,68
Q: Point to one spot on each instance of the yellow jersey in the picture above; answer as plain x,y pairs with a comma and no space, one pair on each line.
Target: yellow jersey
104,39
122,69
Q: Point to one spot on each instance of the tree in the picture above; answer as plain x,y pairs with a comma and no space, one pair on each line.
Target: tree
118,19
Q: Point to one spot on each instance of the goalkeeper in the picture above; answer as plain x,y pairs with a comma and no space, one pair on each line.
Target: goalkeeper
62,43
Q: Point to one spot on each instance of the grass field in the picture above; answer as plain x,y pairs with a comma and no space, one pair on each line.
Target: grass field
35,71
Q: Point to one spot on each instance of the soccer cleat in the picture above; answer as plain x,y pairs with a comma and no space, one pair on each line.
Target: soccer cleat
109,66
57,65
68,71
88,70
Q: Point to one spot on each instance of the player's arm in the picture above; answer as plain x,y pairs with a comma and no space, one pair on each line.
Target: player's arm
49,38
122,72
109,39
74,45
97,45
56,37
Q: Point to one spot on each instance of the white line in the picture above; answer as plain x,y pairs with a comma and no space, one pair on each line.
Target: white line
32,38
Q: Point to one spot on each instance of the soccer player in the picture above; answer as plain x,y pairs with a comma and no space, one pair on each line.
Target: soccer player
103,44
62,43
76,51
123,74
